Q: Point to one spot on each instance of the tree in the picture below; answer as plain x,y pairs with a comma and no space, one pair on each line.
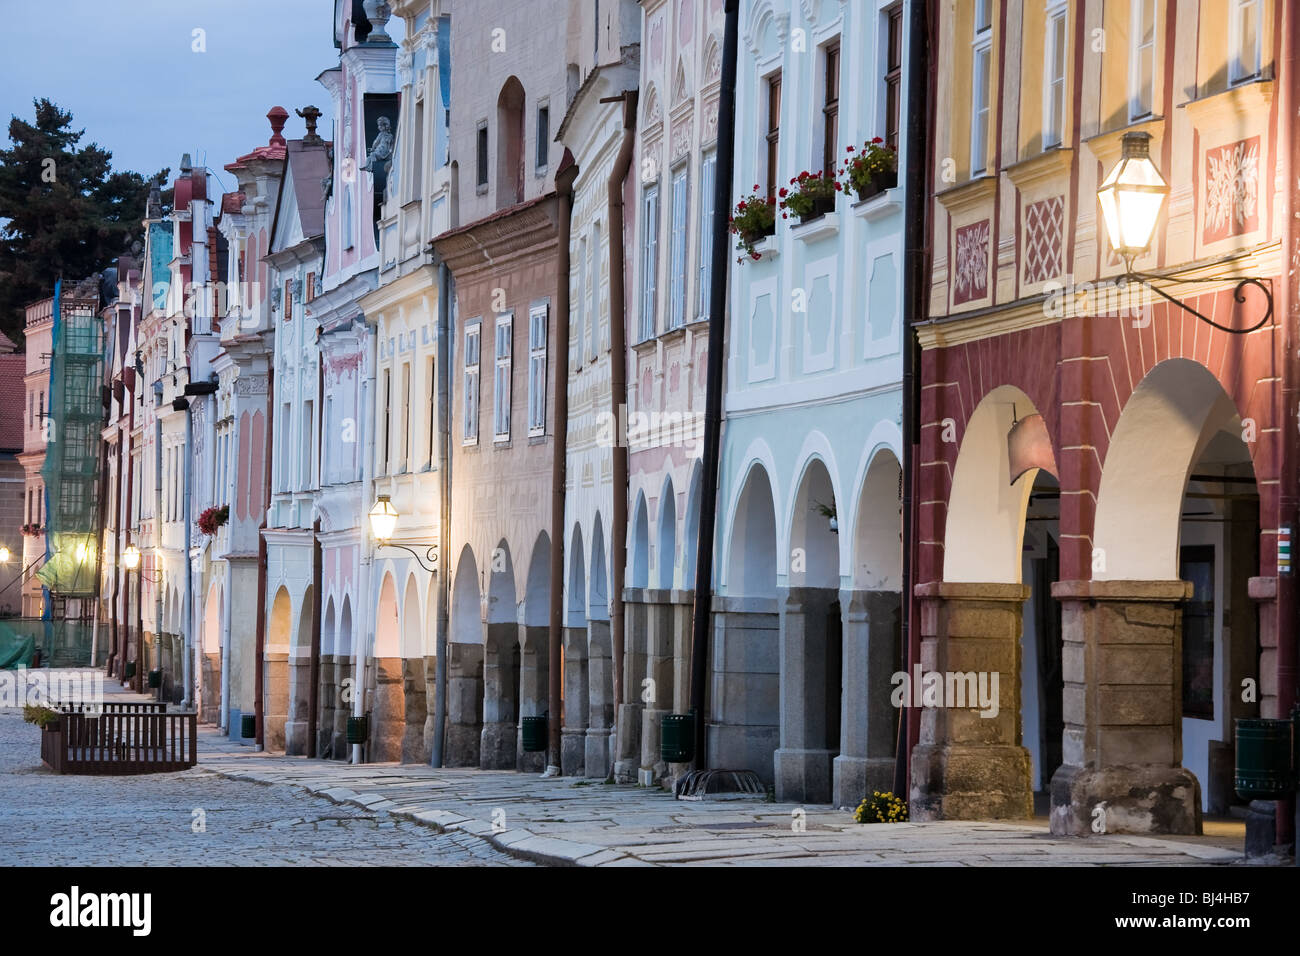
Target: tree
68,212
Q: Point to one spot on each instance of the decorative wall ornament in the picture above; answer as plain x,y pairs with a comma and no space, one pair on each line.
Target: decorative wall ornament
713,61
250,385
1232,189
275,296
405,62
971,269
1044,221
681,140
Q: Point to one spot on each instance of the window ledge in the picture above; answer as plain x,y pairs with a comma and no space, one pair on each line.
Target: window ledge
672,335
644,346
879,206
538,439
823,227
768,248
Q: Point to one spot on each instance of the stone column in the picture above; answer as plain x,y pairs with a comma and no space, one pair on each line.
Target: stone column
387,711
636,617
499,729
745,685
339,749
534,692
1123,742
600,712
967,766
295,727
464,705
430,701
803,762
415,710
657,696
868,718
211,664
573,738
327,701
275,673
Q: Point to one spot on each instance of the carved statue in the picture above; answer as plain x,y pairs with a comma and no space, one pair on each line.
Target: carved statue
381,154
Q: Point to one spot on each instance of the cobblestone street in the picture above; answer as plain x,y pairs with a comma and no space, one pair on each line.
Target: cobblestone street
149,820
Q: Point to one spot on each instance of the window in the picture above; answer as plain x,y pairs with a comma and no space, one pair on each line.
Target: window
481,166
831,108
580,301
501,379
708,179
1142,64
1244,39
543,137
593,313
677,316
981,59
893,33
384,447
308,443
404,464
1196,564
431,376
649,260
773,129
309,293
416,178
286,452
537,369
1054,77
470,428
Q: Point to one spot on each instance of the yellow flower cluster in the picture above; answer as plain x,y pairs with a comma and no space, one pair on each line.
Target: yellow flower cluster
881,808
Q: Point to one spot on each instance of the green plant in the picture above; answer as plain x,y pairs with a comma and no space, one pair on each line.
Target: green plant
881,808
826,511
753,218
41,716
863,165
810,190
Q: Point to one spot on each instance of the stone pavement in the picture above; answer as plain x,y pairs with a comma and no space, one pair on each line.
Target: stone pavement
563,821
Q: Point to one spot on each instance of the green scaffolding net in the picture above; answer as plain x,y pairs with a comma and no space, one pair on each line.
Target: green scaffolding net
71,469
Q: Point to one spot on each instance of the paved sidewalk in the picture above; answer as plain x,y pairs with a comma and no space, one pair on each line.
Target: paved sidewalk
563,821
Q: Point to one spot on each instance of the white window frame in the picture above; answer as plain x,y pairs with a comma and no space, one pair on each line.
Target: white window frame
580,303
1236,13
470,381
677,254
538,318
980,108
1136,108
708,182
1054,85
503,350
649,260
593,312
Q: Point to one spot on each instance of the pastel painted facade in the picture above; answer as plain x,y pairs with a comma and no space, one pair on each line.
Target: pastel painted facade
37,330
808,569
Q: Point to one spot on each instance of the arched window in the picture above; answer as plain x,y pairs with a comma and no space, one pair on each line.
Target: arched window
510,144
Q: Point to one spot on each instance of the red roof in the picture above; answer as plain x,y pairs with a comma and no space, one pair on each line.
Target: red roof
13,400
232,202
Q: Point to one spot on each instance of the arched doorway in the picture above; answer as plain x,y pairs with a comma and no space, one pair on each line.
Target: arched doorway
465,666
501,665
535,670
744,725
573,742
328,694
210,658
387,707
666,546
873,646
599,757
275,687
412,683
812,644
295,728
510,144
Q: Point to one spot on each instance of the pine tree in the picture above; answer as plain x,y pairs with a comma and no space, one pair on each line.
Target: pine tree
68,212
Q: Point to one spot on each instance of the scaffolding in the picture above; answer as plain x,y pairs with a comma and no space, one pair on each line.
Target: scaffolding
72,458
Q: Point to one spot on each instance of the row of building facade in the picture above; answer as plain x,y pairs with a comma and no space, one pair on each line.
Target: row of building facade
485,301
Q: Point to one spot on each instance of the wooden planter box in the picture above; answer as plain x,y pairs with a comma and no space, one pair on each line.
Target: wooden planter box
120,742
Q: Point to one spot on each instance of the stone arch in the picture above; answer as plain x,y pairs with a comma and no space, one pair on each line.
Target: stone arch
465,666
598,591
666,546
1165,425
877,534
209,661
986,512
387,643
575,610
502,661
295,729
411,620
751,556
466,602
275,689
329,629
535,662
345,628
811,536
639,560
510,140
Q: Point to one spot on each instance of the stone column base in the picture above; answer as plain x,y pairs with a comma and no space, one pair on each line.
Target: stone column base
498,748
803,776
295,738
970,782
856,777
596,760
1125,799
573,752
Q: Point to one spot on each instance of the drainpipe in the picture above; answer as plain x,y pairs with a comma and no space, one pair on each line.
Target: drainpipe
916,245
116,636
445,340
564,188
701,616
157,522
130,497
317,561
365,615
1287,817
259,666
187,642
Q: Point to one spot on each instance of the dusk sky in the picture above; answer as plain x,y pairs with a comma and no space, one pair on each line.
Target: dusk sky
129,74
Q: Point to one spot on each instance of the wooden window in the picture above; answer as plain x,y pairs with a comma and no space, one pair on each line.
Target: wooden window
501,379
773,135
981,79
537,319
893,72
649,261
708,180
470,383
1245,30
543,137
677,316
481,156
1142,64
831,108
1054,47
288,300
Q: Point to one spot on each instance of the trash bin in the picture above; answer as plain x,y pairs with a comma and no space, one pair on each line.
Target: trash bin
247,726
1265,758
534,734
155,679
677,738
359,729
129,671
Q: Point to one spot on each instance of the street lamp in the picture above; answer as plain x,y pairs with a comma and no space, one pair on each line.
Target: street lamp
4,555
131,561
1131,198
383,522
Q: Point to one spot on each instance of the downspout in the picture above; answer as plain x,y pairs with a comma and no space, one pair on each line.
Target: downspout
1287,815
317,561
115,651
721,251
564,179
365,614
916,244
444,510
187,638
157,523
130,498
258,665
618,388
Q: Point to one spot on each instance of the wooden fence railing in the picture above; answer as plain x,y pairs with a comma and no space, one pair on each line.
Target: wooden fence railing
121,742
